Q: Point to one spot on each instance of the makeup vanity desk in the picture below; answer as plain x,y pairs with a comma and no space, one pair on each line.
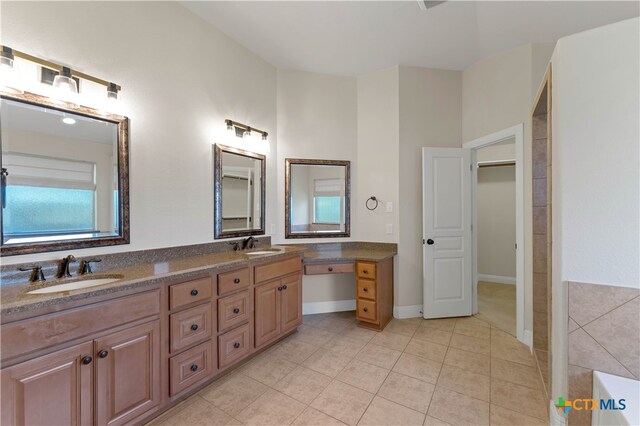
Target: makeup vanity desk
372,265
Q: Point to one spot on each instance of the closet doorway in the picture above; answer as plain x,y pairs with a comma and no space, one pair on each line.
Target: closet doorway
496,234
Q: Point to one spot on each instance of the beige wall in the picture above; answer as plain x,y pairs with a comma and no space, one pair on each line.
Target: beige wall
496,210
498,93
430,114
317,117
145,47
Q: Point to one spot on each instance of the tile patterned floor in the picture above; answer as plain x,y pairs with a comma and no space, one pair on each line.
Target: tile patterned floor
416,372
497,305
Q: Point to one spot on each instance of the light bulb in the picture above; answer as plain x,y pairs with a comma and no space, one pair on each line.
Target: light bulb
64,82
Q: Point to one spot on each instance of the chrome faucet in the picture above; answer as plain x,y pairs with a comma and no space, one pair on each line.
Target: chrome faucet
63,269
36,273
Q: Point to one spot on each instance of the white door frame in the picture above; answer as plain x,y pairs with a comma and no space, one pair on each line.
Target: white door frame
516,132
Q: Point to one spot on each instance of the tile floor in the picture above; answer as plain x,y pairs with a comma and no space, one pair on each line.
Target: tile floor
497,305
416,372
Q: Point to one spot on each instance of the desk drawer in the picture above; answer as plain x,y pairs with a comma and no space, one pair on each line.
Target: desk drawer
191,366
189,292
328,268
272,270
366,270
233,310
233,346
190,326
366,289
367,311
229,282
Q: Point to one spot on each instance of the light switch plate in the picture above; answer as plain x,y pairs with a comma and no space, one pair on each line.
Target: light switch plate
389,206
389,228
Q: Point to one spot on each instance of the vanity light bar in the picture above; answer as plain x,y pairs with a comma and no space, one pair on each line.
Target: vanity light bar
112,88
243,130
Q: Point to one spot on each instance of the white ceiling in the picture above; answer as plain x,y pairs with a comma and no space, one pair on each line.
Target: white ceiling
356,37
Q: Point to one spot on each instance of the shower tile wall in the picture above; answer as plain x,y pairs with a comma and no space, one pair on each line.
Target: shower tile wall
603,335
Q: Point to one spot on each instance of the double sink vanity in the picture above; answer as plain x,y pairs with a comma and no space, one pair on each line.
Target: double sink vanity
121,338
169,322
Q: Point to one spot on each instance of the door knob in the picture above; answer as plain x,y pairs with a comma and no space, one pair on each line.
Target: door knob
430,241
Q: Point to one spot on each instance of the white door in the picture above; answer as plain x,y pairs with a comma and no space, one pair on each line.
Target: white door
446,210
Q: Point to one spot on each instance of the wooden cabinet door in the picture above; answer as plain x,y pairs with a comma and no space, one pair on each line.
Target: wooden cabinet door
127,373
291,303
267,312
54,389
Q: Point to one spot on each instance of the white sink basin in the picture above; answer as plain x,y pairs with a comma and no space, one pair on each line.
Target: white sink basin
261,252
76,285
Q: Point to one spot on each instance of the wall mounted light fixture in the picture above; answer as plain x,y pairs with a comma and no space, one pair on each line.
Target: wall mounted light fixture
64,80
243,130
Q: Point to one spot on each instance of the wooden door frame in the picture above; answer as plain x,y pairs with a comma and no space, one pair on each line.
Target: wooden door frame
515,132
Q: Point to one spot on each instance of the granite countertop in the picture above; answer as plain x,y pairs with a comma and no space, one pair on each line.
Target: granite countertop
15,300
15,303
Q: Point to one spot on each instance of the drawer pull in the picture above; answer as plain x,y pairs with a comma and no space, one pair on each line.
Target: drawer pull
236,310
103,354
365,289
365,309
194,367
364,271
279,288
87,360
236,345
284,287
194,327
194,292
237,280
330,269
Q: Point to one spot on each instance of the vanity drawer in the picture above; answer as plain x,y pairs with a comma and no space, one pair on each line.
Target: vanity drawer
191,366
366,270
190,326
233,346
273,270
328,268
367,311
189,292
233,280
233,310
366,289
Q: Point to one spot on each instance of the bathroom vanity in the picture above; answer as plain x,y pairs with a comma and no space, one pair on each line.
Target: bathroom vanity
122,352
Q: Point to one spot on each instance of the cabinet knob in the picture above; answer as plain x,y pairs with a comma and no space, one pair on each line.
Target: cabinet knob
87,360
279,288
364,271
194,367
365,309
103,354
365,289
330,269
194,327
237,281
284,287
194,292
236,310
236,345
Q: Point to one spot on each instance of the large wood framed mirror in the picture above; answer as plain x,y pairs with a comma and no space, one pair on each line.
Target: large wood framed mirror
65,176
239,192
317,198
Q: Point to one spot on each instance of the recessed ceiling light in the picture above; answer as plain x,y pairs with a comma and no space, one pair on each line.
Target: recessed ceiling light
69,120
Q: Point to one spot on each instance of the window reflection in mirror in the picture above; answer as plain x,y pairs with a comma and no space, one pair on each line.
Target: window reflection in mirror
239,192
317,198
60,179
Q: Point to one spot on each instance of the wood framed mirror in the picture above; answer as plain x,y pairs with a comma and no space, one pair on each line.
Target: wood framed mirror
317,198
65,176
239,192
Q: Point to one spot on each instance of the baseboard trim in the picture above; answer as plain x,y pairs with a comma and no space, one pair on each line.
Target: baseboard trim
330,306
555,418
527,338
402,312
497,279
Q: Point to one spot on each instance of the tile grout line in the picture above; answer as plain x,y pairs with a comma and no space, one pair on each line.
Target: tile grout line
608,312
607,351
